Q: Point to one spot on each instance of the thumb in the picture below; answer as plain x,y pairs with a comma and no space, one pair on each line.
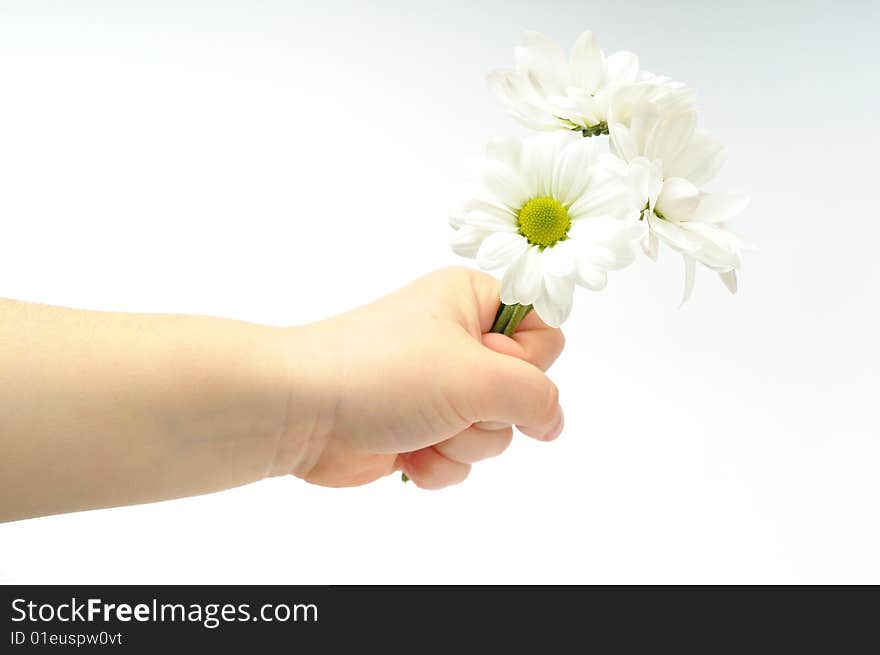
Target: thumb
511,390
504,345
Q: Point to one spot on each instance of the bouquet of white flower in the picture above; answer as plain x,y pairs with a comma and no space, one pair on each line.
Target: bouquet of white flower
554,211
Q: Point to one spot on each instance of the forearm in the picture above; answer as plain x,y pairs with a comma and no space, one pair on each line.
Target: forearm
101,409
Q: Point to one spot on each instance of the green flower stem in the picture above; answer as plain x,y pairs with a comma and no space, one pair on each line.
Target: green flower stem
595,130
502,318
509,317
519,313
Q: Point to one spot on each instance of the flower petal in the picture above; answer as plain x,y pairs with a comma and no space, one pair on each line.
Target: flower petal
577,106
670,99
554,305
521,100
522,281
500,83
456,218
558,260
572,172
672,134
542,58
540,154
590,277
491,222
621,141
673,235
598,230
644,122
720,249
504,184
699,161
678,199
729,280
466,241
717,207
604,244
607,194
625,101
639,183
613,164
507,150
608,257
650,246
499,211
690,267
623,68
500,248
508,86
587,63
644,182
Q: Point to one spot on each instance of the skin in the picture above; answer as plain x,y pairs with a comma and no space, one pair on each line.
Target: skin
105,409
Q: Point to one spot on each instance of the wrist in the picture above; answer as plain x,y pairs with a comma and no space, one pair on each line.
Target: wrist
232,385
307,404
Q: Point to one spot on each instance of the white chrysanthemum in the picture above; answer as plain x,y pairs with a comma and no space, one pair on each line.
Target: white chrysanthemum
553,213
669,161
549,91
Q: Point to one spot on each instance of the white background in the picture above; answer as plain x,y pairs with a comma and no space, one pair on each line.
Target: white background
280,162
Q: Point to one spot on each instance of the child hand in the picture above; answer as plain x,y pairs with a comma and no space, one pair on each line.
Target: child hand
413,382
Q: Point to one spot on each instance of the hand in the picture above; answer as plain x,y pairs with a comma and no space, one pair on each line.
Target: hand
413,382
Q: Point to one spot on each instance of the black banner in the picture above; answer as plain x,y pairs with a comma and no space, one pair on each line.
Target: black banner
411,619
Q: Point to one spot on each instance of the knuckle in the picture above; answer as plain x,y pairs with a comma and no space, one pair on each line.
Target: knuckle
491,379
559,339
449,478
458,274
462,473
502,441
478,280
552,396
430,474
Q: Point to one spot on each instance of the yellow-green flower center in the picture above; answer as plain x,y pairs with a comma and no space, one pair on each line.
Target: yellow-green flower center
543,221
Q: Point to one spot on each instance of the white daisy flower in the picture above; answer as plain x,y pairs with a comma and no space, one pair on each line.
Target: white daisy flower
550,91
669,161
553,212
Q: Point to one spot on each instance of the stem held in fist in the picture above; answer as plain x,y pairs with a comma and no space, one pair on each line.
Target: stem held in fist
508,318
506,321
